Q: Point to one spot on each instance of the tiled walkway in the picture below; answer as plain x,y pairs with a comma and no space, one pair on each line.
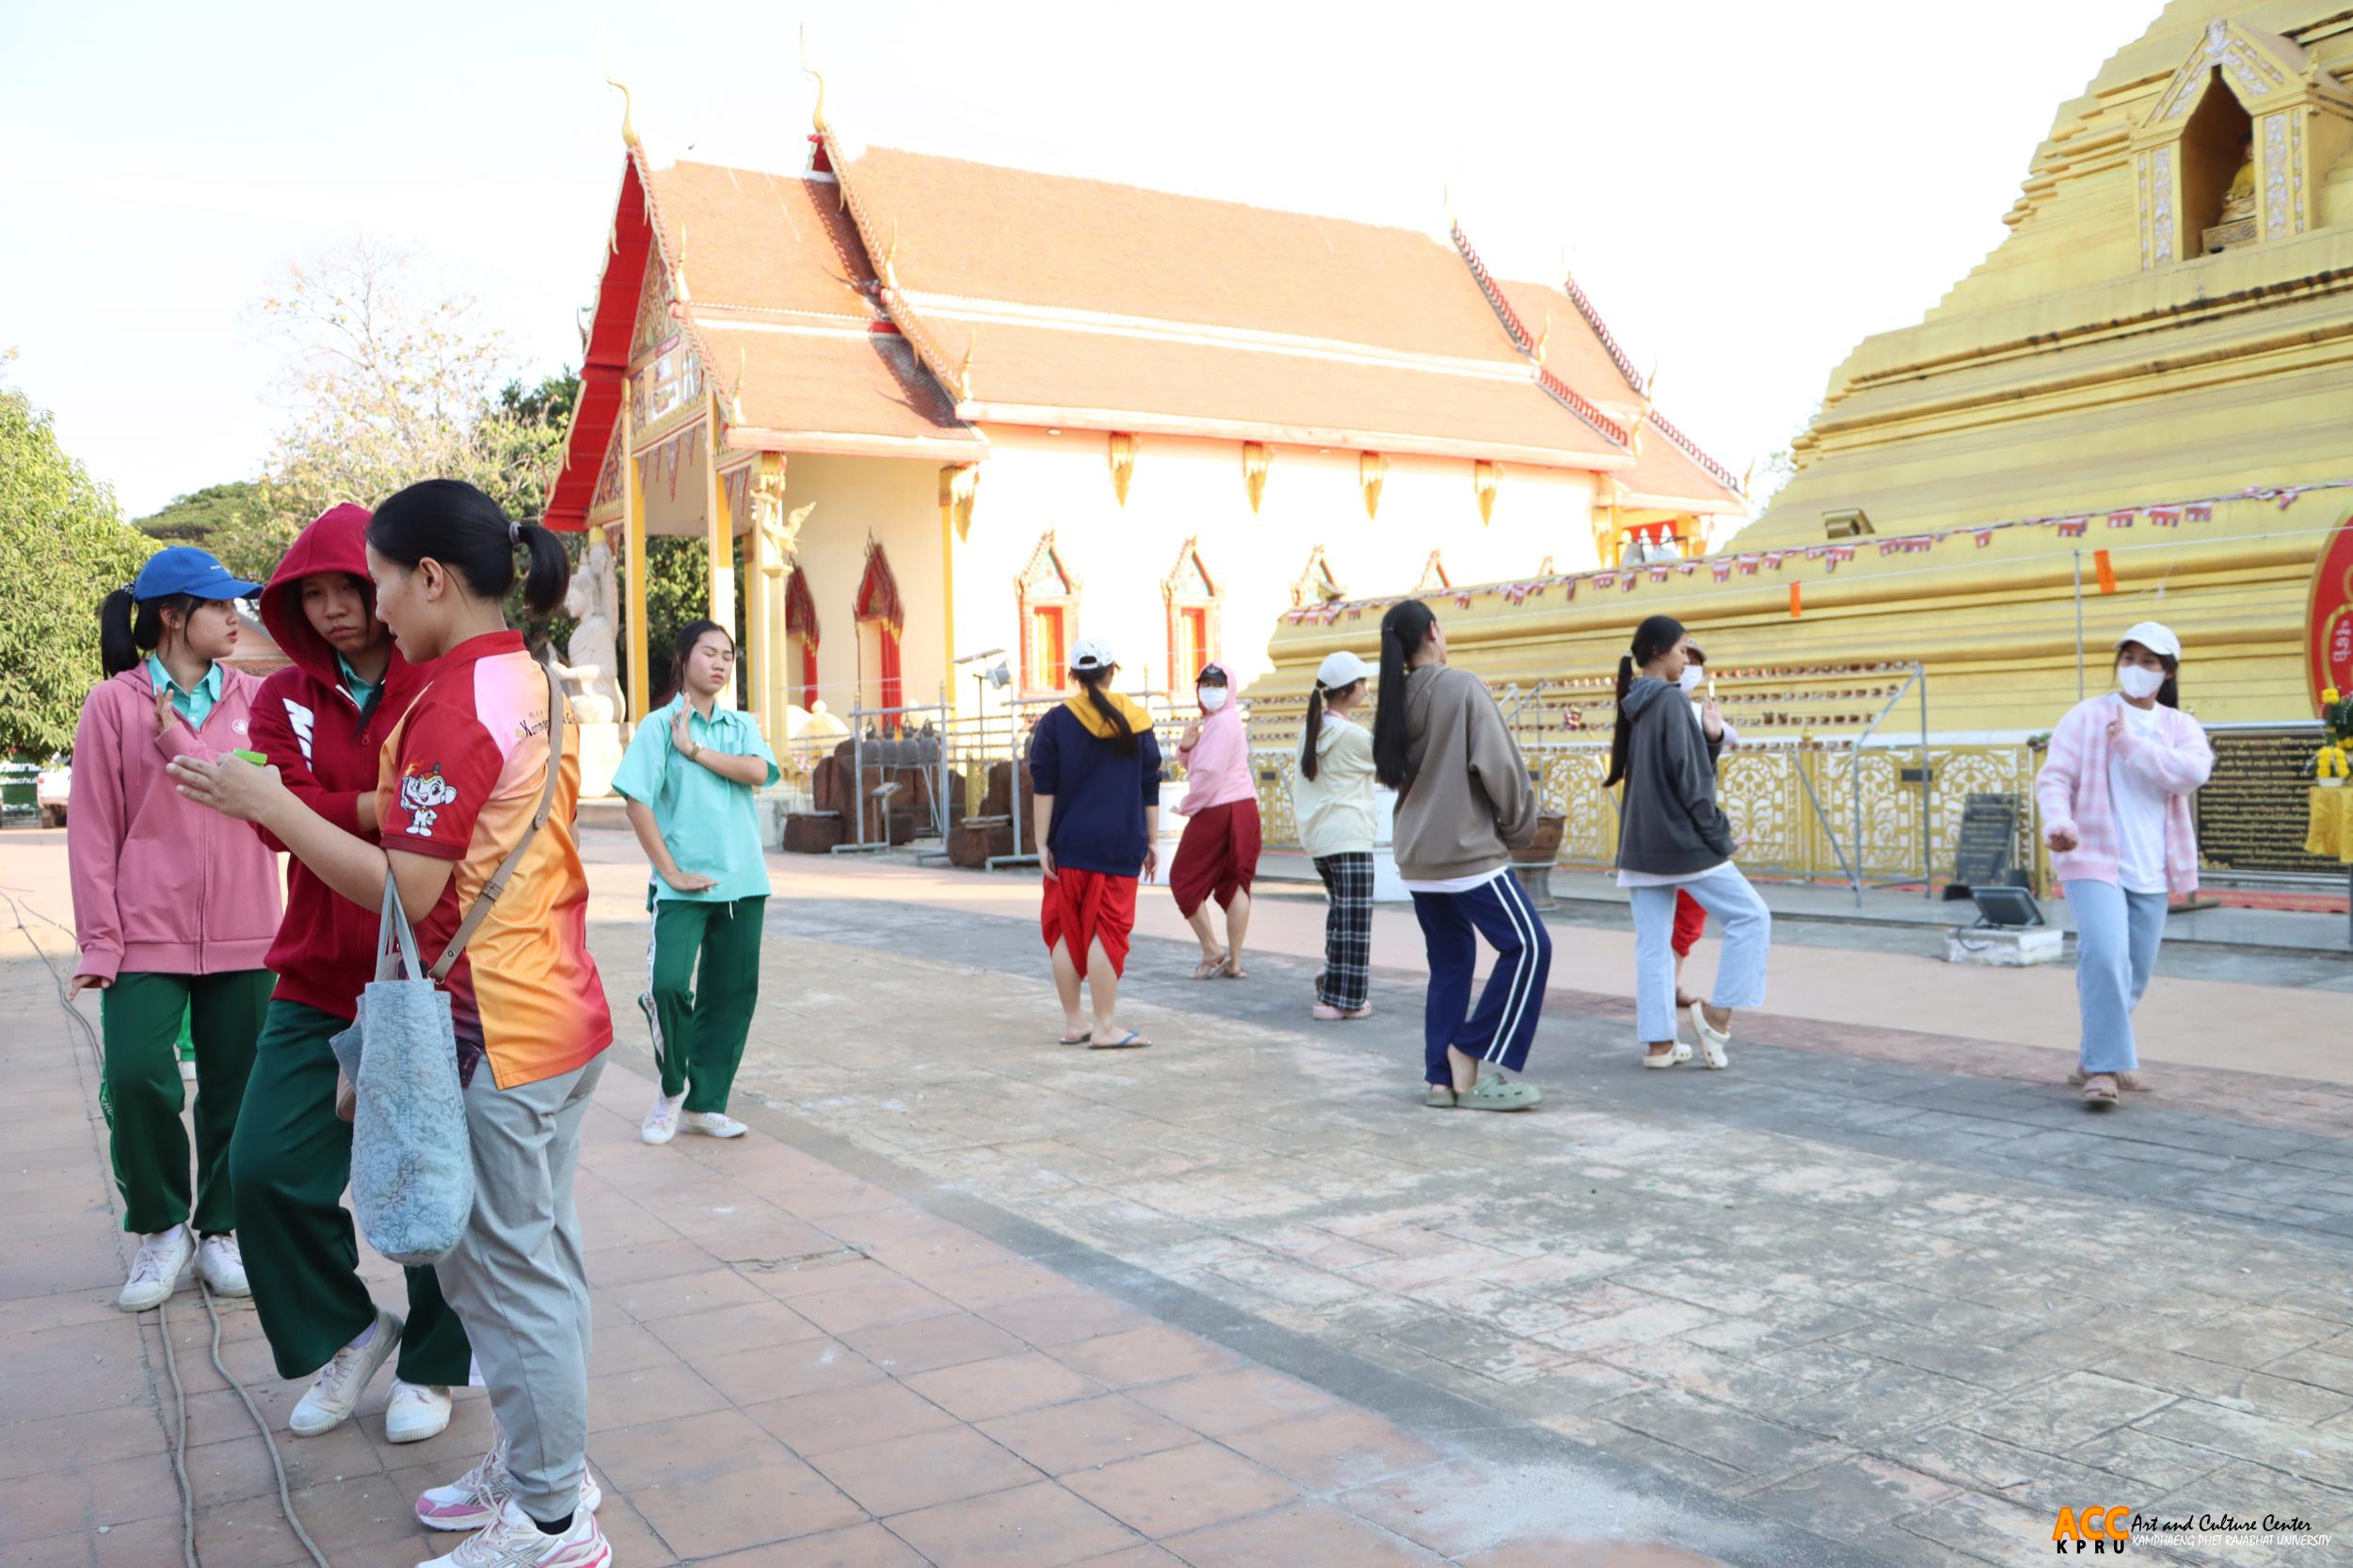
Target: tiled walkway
793,1368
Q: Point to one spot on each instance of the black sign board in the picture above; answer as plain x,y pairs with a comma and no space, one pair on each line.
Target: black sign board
1989,841
2252,813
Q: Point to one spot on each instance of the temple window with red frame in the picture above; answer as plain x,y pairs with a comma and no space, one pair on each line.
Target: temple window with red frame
880,623
1639,542
1194,602
1045,606
800,640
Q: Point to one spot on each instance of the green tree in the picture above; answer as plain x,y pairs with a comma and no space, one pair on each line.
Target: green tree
67,547
237,522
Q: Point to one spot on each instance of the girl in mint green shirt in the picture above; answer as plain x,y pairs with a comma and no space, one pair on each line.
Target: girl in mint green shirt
689,777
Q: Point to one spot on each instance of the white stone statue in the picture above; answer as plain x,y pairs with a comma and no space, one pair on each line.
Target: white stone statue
592,658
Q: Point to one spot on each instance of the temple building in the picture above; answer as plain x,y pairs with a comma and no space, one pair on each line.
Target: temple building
2139,406
944,408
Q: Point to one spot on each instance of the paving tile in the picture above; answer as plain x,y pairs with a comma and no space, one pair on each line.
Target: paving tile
1003,1385
1029,1527
749,1325
2053,1416
1759,1449
900,1473
1087,1433
1143,1355
1849,1494
1134,1557
1299,1535
1331,1450
1600,1554
866,1546
656,1453
906,1348
778,1499
779,1372
655,1394
1164,1493
1061,1317
832,1419
881,1302
706,1291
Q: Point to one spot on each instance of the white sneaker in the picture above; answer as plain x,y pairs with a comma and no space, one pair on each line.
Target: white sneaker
155,1273
661,1123
415,1411
512,1541
334,1394
714,1124
220,1263
473,1500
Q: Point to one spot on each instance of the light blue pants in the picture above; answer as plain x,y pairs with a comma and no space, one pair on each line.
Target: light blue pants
1748,928
2117,934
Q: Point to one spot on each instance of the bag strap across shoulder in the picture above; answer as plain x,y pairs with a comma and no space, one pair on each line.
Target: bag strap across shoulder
497,884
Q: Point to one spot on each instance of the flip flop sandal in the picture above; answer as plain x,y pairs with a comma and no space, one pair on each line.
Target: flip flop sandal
1497,1093
1088,1038
1438,1096
2100,1089
1129,1041
1210,968
1674,1058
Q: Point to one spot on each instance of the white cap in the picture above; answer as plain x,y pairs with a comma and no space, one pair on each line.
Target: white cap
2158,639
1091,654
1341,669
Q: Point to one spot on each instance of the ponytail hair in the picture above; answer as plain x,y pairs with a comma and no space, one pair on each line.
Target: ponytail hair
1312,733
1654,636
455,524
1403,630
131,629
1092,681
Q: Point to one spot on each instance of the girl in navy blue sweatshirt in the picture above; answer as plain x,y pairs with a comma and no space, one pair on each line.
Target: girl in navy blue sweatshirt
1096,768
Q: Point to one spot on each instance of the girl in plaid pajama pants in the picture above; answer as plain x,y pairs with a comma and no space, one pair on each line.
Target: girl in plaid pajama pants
1332,799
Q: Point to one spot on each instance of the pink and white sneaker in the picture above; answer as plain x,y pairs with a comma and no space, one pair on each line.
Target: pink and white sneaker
475,1499
512,1541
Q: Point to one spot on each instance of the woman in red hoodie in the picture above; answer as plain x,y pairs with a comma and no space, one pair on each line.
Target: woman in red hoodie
323,720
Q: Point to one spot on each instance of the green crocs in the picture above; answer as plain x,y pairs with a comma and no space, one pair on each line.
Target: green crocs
1439,1097
1497,1093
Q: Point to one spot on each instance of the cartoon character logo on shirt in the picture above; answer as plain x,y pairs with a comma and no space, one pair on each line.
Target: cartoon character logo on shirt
421,796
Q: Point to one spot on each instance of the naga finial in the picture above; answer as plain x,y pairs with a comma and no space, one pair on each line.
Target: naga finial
817,115
629,129
963,371
890,257
1543,339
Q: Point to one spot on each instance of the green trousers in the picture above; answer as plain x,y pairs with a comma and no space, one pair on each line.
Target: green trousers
291,1161
700,1019
142,1096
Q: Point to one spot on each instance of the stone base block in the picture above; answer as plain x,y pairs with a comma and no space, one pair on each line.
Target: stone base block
2005,947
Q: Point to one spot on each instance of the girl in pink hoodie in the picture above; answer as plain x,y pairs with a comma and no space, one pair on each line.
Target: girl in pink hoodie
1218,857
174,908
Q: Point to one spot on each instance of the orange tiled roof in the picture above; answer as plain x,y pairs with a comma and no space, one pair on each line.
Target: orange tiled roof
1086,303
781,299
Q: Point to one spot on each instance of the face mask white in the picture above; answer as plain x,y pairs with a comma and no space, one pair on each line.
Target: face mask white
2137,682
1212,698
1691,677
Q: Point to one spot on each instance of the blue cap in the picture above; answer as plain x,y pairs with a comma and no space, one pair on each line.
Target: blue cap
186,569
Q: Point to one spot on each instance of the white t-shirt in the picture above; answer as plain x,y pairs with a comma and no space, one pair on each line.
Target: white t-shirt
1458,884
2140,807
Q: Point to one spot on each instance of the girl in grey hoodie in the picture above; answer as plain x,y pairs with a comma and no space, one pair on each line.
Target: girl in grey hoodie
1464,803
1671,837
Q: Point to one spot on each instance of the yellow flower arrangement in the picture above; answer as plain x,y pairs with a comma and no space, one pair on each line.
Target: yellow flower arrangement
2330,767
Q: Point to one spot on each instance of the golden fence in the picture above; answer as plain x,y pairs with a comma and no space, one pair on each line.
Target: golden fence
1764,792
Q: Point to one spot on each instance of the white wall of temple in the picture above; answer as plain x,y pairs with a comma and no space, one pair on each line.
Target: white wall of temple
895,502
1034,482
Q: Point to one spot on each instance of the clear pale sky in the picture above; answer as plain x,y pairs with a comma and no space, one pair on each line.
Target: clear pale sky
1745,189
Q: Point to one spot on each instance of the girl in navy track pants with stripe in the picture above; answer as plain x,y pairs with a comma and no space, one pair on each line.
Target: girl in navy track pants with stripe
1464,803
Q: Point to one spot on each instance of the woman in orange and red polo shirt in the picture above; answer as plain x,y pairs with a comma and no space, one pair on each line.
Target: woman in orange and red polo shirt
460,777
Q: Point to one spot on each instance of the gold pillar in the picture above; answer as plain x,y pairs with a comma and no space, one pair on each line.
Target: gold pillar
764,585
720,524
633,534
947,505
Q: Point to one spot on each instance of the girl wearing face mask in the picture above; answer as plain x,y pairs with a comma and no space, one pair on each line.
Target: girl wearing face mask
1672,839
173,910
2114,795
1218,857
